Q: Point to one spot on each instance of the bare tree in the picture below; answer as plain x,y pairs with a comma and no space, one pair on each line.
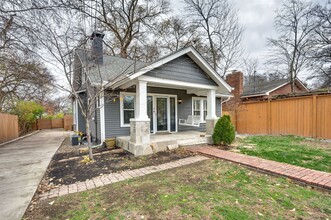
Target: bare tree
218,21
174,33
250,69
124,22
321,55
290,50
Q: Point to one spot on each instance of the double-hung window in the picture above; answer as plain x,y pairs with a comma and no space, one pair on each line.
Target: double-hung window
127,111
199,107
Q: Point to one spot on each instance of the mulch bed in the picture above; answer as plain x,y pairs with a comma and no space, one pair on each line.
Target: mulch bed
62,171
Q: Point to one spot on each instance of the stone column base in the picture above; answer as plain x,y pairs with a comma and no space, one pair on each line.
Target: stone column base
210,125
139,149
139,143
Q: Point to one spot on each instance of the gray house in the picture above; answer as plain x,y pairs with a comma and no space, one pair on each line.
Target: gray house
150,107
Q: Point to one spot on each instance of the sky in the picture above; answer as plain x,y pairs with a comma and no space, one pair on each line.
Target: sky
256,16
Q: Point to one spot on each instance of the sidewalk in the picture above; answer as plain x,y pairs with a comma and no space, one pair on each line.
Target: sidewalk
116,177
305,175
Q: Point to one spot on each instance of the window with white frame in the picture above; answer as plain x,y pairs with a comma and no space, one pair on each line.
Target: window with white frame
199,107
127,108
196,107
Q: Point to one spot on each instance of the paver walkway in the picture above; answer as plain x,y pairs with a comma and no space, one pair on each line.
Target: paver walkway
22,165
116,177
305,175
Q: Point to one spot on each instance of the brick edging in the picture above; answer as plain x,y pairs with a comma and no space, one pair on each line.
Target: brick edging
300,174
117,177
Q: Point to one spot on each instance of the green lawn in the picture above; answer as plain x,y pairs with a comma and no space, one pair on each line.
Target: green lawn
290,149
211,189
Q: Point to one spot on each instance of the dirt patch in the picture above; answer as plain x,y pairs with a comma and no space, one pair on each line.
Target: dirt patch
315,143
66,166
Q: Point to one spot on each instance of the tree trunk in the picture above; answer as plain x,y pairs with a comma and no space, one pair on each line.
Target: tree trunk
88,136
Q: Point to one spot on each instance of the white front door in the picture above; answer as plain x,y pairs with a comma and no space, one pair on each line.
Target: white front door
164,115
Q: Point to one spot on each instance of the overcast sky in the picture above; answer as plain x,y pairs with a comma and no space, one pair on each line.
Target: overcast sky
256,16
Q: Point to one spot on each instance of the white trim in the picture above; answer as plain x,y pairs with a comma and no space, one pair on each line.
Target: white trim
122,94
102,117
193,54
246,96
180,84
298,80
271,90
201,107
76,115
154,96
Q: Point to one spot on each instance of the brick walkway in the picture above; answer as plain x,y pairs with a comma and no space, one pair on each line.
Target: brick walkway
116,177
305,175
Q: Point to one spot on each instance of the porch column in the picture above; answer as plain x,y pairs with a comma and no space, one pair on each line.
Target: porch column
139,126
211,118
141,101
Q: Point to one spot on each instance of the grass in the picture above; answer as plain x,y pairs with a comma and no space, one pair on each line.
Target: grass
290,149
211,189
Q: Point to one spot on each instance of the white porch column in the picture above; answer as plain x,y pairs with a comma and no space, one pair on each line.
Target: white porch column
141,101
211,118
139,126
211,104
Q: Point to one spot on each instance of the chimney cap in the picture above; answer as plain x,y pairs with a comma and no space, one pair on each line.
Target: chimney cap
97,34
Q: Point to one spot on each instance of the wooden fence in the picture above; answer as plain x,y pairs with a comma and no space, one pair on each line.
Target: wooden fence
65,123
308,116
8,127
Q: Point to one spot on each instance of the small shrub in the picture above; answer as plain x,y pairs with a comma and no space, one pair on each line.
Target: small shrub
224,131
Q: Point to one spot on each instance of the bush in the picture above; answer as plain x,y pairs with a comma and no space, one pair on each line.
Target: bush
224,131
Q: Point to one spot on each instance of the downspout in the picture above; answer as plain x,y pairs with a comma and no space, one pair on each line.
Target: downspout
226,100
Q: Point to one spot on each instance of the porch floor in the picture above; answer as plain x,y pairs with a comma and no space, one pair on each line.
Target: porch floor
168,141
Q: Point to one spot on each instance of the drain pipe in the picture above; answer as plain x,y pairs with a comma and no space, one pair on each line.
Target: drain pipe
226,100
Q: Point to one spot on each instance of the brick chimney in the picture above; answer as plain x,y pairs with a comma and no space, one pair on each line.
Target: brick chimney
97,47
235,80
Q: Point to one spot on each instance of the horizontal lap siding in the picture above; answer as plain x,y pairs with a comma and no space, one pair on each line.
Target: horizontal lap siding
112,112
112,119
182,69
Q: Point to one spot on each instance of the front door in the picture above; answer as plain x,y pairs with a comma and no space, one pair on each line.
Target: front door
162,114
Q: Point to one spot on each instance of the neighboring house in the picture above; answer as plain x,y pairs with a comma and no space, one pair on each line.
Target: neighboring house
257,91
176,93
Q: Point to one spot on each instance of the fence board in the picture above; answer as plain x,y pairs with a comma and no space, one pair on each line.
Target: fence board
68,122
252,118
57,123
44,124
308,116
8,127
323,117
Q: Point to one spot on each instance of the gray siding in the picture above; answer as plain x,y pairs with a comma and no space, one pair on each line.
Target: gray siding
112,119
81,118
112,112
182,69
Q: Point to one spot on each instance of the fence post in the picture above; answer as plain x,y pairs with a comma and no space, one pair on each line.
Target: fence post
314,121
269,117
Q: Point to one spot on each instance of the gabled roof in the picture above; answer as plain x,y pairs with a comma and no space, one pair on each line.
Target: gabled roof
267,87
119,71
191,52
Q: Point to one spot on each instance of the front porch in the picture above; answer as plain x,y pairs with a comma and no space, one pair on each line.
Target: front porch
164,141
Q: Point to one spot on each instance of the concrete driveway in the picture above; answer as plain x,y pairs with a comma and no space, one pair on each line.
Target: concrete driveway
22,166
